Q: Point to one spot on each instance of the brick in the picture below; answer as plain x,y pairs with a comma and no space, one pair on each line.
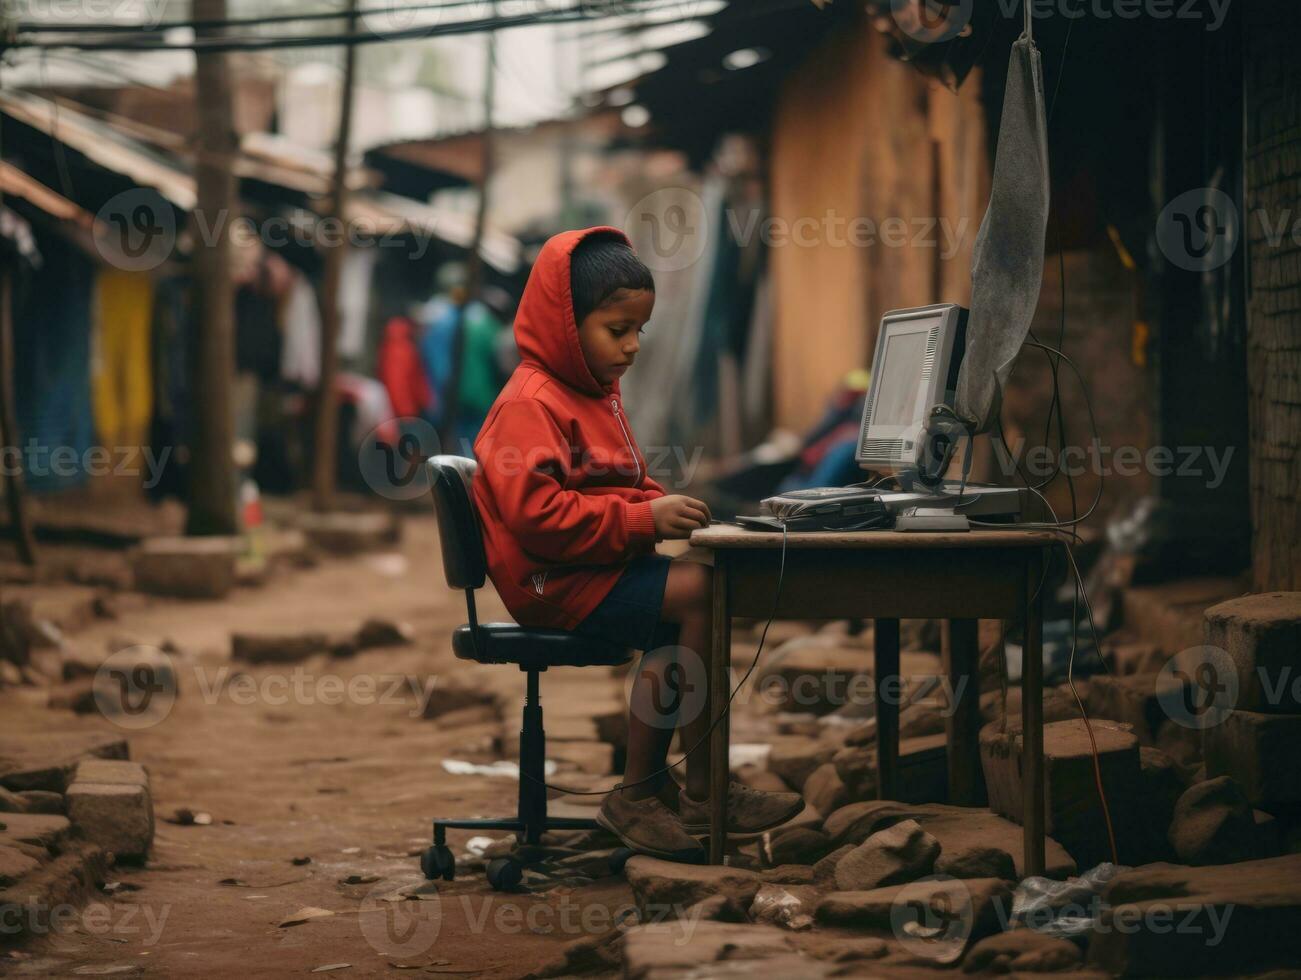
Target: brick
118,817
1133,700
1260,751
190,568
47,761
116,772
1262,635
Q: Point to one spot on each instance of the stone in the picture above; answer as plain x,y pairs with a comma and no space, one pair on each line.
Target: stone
815,674
788,874
48,831
1057,706
796,845
383,633
186,567
977,862
855,767
1262,636
794,758
41,801
973,909
1213,823
958,829
1134,700
1026,949
900,853
47,761
1260,751
446,698
1127,656
277,648
1072,806
77,696
824,869
345,533
665,950
14,865
661,885
110,802
824,790
787,906
1177,921
1171,614
717,908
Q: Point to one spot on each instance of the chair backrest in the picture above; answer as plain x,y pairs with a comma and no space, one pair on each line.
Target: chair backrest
464,563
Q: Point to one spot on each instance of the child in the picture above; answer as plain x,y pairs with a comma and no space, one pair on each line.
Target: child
570,520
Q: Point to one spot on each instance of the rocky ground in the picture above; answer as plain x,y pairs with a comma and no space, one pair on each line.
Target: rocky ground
262,813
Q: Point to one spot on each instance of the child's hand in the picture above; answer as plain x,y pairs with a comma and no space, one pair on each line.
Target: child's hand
676,516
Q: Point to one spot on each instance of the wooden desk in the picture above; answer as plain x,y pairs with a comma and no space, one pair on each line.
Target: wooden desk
888,576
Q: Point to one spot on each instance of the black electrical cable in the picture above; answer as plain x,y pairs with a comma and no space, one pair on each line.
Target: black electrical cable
725,713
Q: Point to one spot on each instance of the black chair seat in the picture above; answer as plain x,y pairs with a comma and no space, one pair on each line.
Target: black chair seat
535,649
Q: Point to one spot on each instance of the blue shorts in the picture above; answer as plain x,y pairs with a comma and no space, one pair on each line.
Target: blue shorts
629,615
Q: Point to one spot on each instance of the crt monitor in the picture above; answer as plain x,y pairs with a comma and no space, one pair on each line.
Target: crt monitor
918,353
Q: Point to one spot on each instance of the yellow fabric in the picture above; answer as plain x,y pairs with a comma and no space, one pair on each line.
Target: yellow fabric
122,390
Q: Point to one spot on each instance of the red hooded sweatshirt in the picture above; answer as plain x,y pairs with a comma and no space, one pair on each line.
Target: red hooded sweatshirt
562,491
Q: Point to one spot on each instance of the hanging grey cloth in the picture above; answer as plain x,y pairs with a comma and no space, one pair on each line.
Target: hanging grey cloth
1008,259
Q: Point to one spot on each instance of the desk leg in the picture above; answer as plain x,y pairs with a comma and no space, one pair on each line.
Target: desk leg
720,677
1032,719
889,686
961,647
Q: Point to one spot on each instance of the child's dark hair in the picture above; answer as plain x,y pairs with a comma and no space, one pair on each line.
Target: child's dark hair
600,266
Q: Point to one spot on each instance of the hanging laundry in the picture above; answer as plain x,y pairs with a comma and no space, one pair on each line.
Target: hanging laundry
300,357
401,371
121,359
354,300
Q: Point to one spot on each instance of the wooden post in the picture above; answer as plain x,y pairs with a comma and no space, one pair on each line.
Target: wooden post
889,690
474,265
15,491
720,680
1032,717
325,455
961,653
212,473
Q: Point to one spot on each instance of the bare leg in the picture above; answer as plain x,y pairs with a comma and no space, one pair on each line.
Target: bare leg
665,682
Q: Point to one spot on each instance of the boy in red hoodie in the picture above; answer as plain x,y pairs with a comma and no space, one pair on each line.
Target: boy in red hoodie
570,520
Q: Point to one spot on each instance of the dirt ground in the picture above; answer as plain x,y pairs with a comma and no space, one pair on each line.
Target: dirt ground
290,765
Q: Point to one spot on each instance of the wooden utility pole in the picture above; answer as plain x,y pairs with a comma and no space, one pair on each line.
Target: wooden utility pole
474,266
15,492
325,455
212,470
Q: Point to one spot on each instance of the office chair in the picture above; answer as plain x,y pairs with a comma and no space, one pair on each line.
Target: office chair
533,650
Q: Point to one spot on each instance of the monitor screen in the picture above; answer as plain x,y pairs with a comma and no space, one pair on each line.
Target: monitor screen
899,375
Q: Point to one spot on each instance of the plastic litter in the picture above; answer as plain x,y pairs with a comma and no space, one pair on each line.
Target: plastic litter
502,767
1064,909
776,906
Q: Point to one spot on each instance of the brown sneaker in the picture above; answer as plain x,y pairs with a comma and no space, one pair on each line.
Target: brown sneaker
670,793
649,827
749,811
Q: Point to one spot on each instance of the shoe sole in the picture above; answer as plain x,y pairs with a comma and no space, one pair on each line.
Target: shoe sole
702,830
694,856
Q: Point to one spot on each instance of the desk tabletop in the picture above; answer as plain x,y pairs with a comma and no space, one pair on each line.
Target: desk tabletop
728,536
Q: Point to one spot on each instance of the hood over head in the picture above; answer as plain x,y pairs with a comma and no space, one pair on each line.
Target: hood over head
546,332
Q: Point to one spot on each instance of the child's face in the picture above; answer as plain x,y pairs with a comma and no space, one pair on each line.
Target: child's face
609,334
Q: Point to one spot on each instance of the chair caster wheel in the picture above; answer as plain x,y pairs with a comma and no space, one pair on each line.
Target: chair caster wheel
618,858
437,862
504,873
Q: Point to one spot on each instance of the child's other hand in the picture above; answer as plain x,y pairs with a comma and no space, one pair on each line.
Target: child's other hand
676,516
